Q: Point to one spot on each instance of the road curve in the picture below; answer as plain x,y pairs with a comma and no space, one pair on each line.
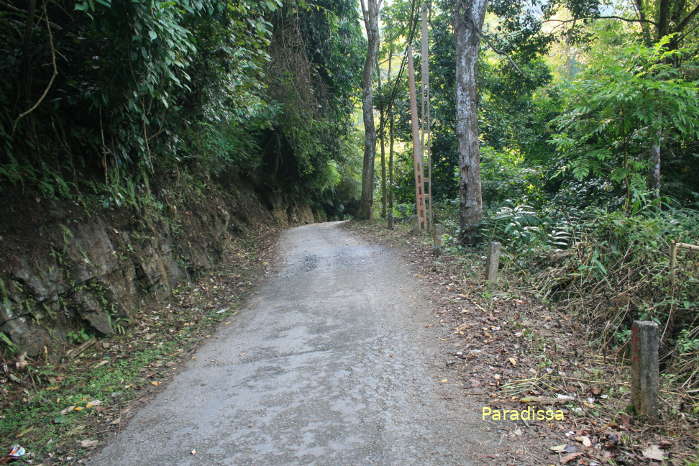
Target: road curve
330,362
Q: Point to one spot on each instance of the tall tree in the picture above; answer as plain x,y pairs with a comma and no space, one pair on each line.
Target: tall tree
468,23
382,139
426,110
389,214
370,10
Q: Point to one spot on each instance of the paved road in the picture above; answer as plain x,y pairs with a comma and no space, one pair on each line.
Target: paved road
330,362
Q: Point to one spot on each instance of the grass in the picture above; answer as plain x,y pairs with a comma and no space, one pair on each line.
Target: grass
36,420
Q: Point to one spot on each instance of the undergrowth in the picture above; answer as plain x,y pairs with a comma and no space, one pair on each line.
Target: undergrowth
608,268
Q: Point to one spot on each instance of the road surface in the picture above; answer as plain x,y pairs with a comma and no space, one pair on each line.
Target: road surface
330,362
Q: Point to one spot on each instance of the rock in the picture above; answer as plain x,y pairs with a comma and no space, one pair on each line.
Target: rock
89,309
91,251
28,338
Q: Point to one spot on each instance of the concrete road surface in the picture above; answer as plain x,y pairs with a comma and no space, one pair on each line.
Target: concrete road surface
329,363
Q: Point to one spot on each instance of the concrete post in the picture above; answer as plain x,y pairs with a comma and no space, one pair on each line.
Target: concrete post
645,374
493,262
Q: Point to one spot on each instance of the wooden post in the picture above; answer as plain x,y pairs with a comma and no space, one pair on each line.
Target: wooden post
417,147
437,233
645,374
673,262
493,262
673,257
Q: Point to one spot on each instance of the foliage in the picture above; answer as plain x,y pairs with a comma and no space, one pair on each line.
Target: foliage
610,269
623,104
146,88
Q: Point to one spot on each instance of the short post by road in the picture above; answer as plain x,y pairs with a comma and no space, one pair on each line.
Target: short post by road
493,262
437,232
645,374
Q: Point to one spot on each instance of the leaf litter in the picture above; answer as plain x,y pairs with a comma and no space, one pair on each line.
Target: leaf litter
512,351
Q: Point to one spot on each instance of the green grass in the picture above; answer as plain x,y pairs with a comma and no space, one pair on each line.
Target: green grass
36,421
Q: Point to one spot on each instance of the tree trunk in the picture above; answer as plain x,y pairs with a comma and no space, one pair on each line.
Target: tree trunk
370,10
426,122
655,167
382,139
417,146
468,22
390,149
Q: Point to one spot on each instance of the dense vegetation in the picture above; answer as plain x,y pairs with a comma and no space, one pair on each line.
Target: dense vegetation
102,98
588,121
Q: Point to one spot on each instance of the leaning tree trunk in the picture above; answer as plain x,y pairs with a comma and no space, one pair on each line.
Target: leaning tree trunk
370,9
468,22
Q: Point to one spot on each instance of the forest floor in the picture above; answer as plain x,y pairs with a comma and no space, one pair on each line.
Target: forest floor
510,351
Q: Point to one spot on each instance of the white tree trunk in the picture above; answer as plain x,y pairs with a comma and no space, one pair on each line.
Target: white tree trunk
468,22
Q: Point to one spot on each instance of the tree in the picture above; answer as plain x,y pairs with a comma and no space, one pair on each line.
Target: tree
656,18
370,10
468,23
624,103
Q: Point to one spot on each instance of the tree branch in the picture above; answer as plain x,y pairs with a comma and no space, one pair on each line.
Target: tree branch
621,18
53,76
687,19
486,39
638,4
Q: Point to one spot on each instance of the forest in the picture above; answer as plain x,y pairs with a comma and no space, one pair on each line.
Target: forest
567,130
582,161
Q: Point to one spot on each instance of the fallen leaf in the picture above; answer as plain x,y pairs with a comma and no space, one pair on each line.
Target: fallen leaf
585,440
513,361
194,451
155,383
568,458
444,380
92,404
654,452
89,443
558,448
67,410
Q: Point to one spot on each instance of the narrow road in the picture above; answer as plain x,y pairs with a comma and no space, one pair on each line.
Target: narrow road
330,362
